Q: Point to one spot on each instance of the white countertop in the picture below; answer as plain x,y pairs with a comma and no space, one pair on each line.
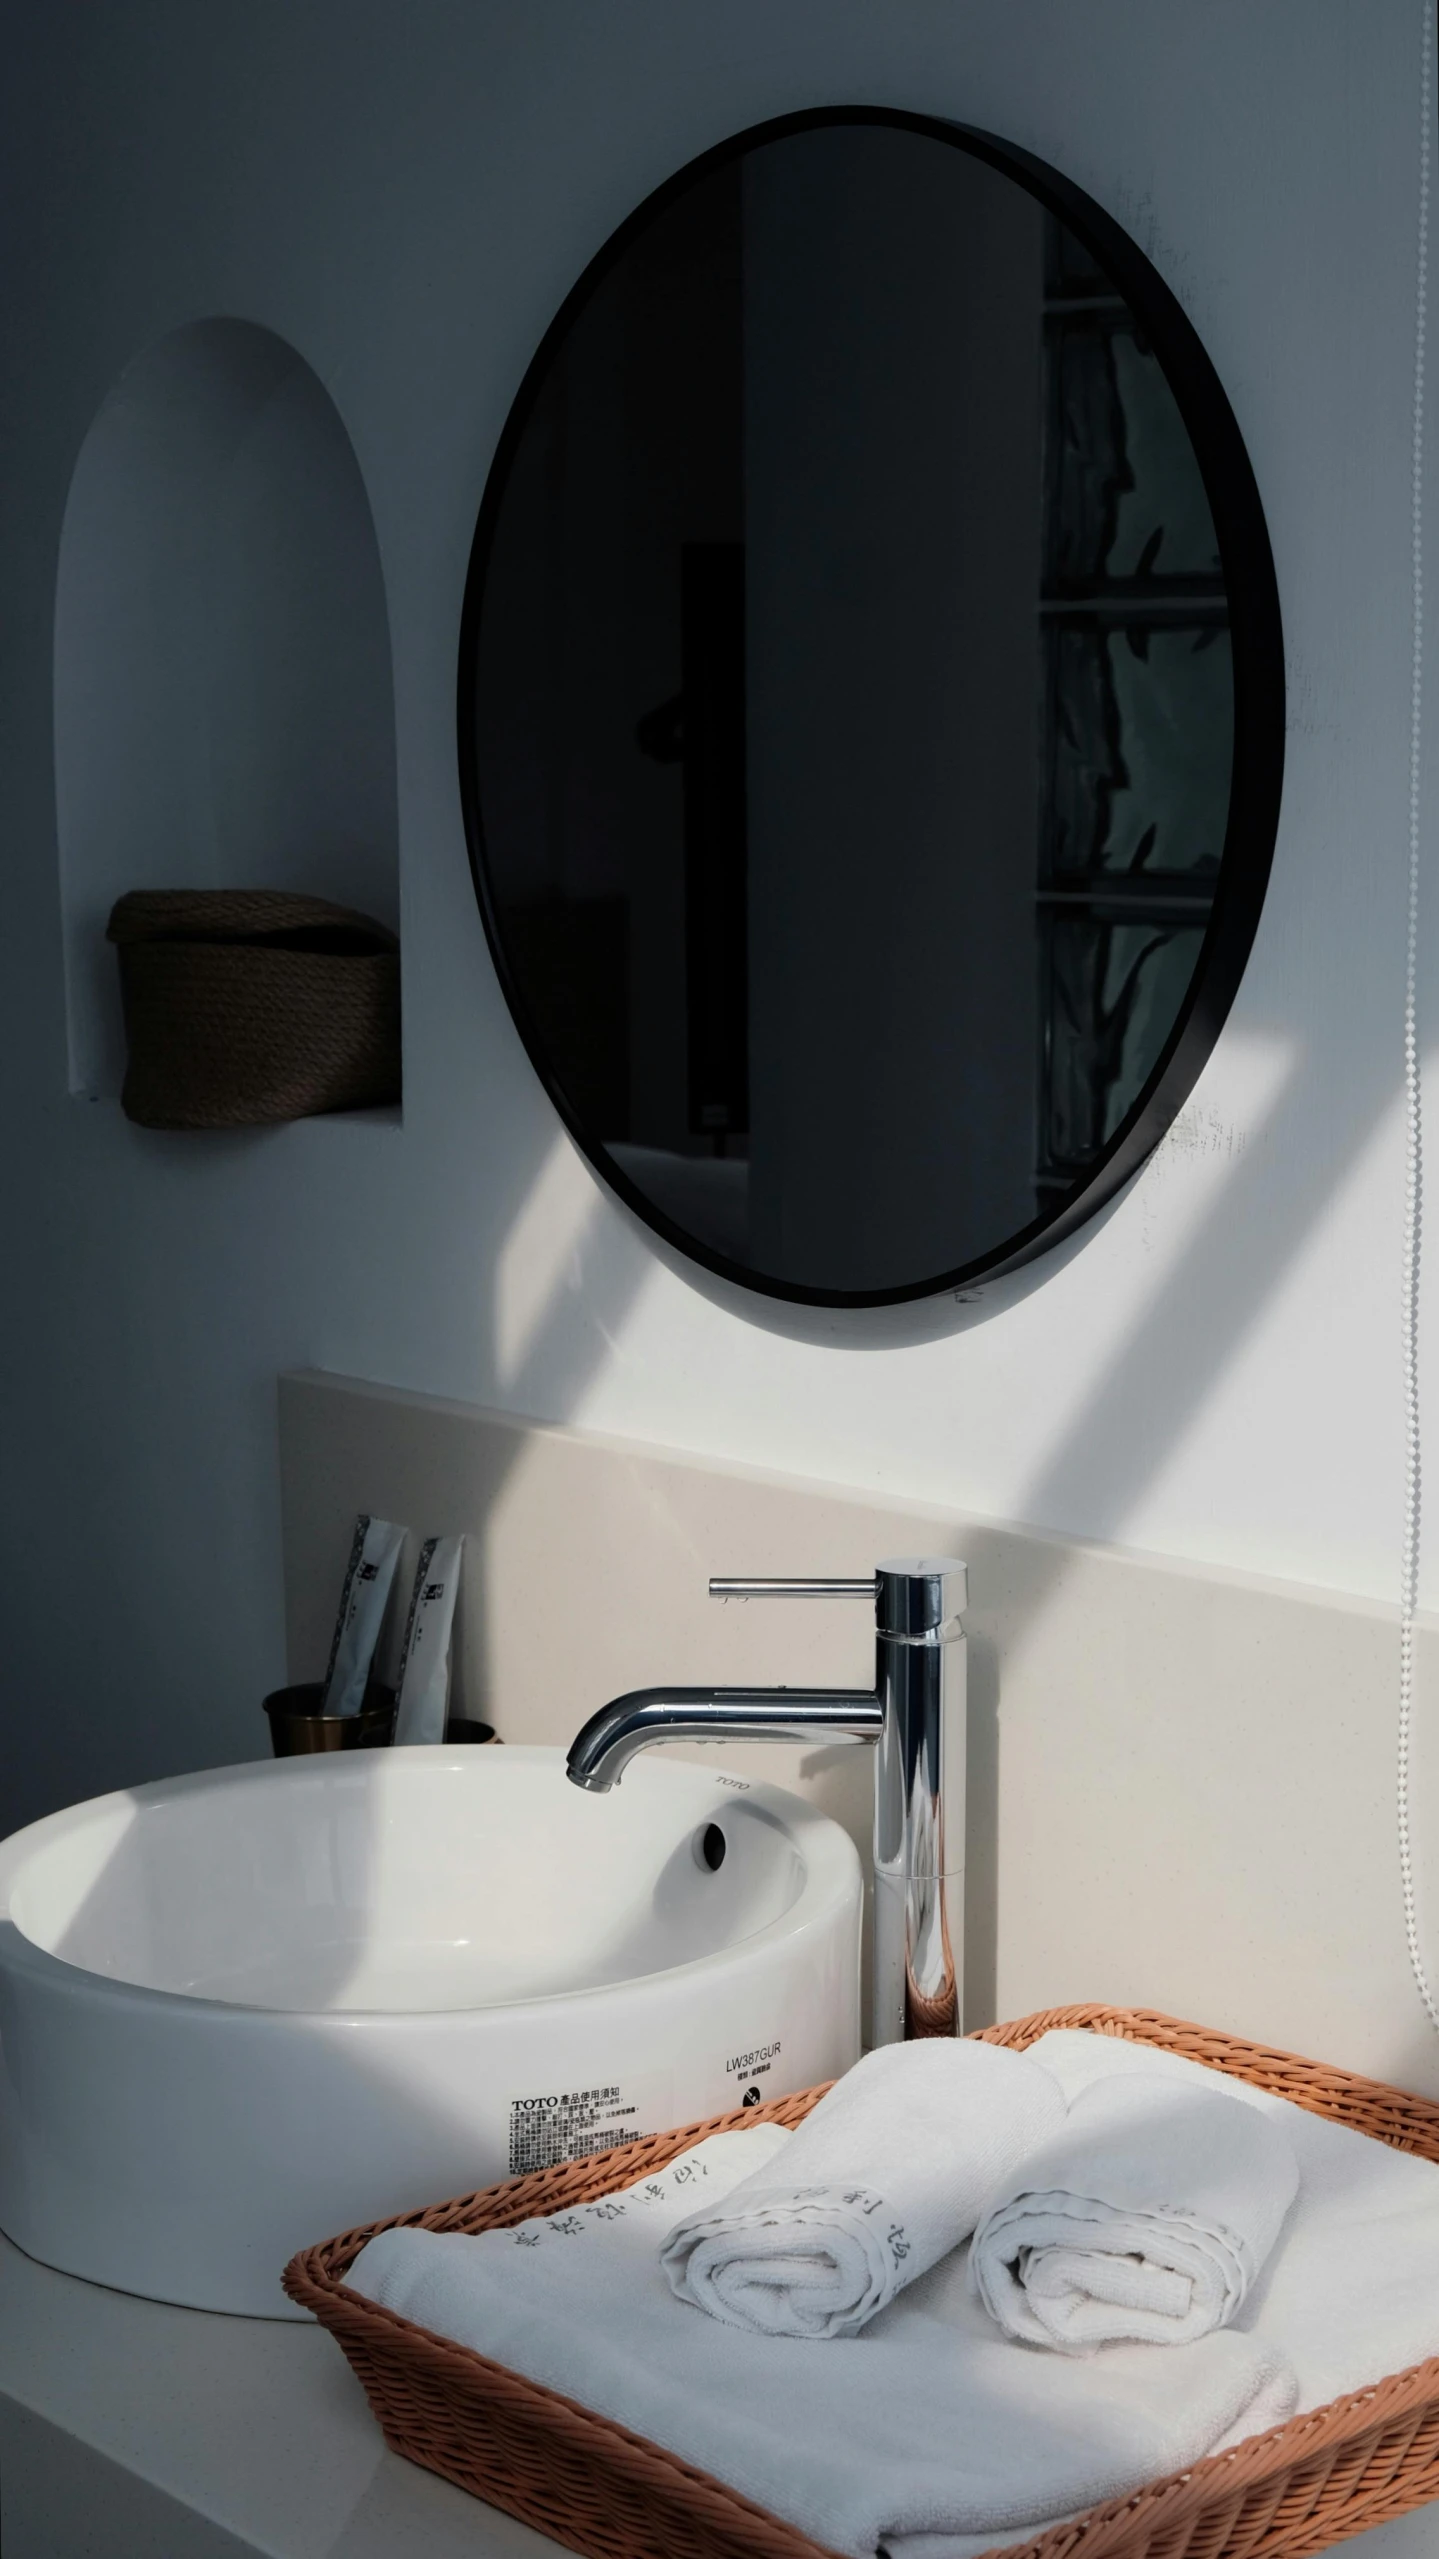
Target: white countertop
129,2430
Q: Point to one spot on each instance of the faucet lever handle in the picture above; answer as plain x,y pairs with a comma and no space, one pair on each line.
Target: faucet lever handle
913,1595
761,1588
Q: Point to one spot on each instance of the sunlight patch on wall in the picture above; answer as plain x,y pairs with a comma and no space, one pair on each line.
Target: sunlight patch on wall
541,1262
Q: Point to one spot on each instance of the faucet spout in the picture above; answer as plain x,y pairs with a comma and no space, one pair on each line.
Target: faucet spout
601,1752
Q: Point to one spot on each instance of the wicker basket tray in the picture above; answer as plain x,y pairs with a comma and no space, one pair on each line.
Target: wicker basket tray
248,1006
609,2494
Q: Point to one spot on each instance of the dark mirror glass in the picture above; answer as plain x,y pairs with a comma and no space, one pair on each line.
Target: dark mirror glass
870,708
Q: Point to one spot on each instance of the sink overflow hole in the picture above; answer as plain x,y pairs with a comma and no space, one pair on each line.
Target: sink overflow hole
712,1846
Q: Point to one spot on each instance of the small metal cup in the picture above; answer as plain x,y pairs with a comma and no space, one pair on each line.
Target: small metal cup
296,1723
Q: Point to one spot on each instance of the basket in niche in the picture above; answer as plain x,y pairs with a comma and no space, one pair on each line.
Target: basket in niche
606,2492
244,1007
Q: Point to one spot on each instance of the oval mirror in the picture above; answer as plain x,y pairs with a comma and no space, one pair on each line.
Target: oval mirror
871,708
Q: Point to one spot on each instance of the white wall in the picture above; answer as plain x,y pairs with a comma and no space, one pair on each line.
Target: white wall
403,194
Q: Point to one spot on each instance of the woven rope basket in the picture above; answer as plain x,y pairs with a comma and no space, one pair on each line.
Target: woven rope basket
609,2494
247,1006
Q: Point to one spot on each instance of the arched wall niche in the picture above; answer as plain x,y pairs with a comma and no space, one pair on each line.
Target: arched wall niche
224,702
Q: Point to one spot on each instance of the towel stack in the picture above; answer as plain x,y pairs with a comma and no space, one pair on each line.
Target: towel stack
1144,2214
889,2173
929,2435
858,2372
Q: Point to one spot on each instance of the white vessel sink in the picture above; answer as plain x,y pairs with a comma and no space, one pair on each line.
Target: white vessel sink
242,2011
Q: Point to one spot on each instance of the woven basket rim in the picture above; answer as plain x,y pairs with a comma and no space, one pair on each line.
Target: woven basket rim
674,2462
233,916
253,963
1120,2528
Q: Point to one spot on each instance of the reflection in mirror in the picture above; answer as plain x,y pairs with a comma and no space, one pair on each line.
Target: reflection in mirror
848,710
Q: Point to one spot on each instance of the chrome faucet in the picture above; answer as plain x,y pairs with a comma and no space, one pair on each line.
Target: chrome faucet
915,1713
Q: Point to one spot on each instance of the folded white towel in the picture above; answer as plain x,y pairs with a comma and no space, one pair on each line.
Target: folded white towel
1353,2291
931,2424
888,2173
1148,2216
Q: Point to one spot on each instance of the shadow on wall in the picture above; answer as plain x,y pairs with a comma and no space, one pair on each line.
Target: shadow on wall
1135,1413
1263,1211
216,462
223,716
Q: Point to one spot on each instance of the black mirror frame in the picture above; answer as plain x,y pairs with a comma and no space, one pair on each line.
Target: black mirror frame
1259,714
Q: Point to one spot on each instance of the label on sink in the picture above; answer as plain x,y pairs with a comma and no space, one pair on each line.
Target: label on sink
569,2123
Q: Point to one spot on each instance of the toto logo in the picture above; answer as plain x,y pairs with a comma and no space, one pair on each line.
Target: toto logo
527,2105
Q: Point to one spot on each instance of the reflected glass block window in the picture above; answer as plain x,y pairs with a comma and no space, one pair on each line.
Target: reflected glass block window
1163,527
1115,989
1138,716
1140,727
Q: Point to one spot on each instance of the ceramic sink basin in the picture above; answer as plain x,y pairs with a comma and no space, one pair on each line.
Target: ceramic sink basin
244,2010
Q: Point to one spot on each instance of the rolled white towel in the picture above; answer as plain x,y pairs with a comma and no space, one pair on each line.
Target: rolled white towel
1148,2217
888,2173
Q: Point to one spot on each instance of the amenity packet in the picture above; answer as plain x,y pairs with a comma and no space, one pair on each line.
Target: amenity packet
425,1667
374,1553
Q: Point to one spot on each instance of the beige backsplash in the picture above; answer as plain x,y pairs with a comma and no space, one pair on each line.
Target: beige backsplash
1181,1782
